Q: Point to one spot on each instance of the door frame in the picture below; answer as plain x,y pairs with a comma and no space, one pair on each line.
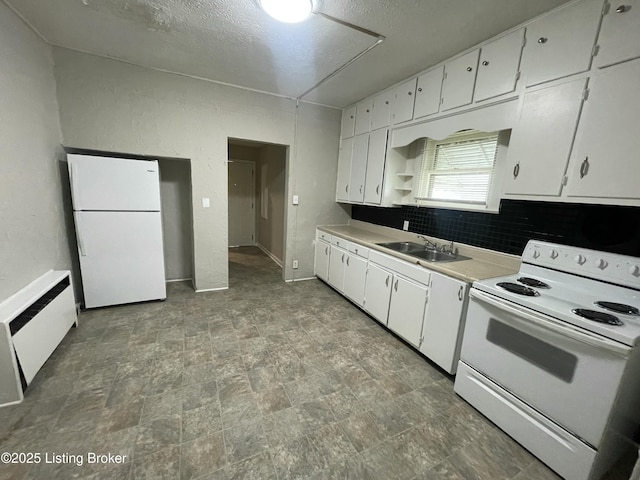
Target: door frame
253,199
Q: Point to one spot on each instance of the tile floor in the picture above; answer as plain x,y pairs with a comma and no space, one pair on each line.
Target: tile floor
264,381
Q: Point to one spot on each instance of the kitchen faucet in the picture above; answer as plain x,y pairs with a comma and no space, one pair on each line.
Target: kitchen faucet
429,243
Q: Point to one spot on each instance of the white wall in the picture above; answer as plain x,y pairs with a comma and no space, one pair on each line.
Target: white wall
175,194
270,233
113,106
33,237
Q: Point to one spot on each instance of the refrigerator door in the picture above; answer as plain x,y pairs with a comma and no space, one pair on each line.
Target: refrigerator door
121,257
114,184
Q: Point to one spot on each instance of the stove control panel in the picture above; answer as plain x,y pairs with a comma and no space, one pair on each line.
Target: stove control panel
609,267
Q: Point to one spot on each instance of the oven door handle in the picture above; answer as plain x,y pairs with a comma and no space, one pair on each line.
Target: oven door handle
550,324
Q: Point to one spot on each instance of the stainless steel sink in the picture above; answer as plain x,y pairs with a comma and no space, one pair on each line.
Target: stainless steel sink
418,250
402,247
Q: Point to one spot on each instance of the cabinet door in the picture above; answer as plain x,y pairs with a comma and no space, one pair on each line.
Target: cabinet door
444,321
375,166
381,110
358,167
337,258
404,98
604,161
540,145
561,44
344,170
355,273
406,310
363,117
428,93
459,80
377,292
498,68
348,122
619,38
322,260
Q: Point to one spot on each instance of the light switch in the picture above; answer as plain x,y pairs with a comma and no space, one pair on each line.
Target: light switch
405,225
205,202
296,200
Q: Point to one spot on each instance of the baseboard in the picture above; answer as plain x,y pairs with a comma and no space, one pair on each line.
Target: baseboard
211,289
301,279
179,280
270,255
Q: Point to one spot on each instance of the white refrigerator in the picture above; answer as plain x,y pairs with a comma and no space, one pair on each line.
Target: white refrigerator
116,209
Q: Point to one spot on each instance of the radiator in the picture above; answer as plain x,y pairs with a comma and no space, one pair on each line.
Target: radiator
33,321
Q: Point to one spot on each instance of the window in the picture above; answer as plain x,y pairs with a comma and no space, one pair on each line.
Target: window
458,169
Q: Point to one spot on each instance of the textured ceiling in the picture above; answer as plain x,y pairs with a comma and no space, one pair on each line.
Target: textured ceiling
236,42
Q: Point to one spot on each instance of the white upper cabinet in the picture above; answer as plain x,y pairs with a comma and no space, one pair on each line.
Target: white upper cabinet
381,110
541,142
428,93
344,170
561,44
459,80
498,68
363,116
358,167
604,162
375,166
402,109
348,122
619,38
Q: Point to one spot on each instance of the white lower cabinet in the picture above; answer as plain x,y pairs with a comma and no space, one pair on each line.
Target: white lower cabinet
377,292
444,321
355,272
425,308
406,310
322,259
337,258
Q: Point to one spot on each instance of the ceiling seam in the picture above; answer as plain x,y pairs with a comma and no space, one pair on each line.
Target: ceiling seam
195,77
26,22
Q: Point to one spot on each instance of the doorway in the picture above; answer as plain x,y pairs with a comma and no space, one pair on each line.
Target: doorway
242,219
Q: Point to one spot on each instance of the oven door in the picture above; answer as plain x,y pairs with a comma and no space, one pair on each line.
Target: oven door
567,373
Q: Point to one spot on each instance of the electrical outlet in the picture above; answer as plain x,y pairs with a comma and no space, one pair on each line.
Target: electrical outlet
405,225
295,264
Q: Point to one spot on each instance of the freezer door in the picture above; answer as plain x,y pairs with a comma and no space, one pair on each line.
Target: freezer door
121,257
114,184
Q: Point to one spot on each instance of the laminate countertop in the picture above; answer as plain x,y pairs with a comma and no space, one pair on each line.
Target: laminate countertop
482,264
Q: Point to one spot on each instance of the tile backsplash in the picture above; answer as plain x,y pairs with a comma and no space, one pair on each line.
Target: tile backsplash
599,227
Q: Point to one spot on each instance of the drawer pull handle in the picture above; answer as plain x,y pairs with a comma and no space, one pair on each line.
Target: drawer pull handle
326,250
346,188
469,69
395,287
460,294
378,190
542,40
386,282
622,9
343,258
347,261
516,170
485,63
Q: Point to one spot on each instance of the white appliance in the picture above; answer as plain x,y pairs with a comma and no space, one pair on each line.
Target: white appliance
551,356
116,209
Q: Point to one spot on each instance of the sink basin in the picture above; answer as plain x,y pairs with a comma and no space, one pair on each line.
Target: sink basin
420,251
402,247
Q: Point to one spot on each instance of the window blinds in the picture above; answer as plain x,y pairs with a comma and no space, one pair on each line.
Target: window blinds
458,168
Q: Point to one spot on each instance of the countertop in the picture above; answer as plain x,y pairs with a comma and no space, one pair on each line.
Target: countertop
483,263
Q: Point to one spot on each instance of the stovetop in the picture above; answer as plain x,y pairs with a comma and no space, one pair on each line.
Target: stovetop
566,292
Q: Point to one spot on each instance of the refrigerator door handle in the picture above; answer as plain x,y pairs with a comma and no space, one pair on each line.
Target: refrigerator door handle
83,252
73,174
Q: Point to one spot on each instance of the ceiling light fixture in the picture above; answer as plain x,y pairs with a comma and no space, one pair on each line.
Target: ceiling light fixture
288,11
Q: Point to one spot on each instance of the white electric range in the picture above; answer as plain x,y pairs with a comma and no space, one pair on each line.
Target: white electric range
551,355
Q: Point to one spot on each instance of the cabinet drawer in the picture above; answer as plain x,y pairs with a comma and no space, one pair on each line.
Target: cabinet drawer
339,242
405,268
320,235
358,249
